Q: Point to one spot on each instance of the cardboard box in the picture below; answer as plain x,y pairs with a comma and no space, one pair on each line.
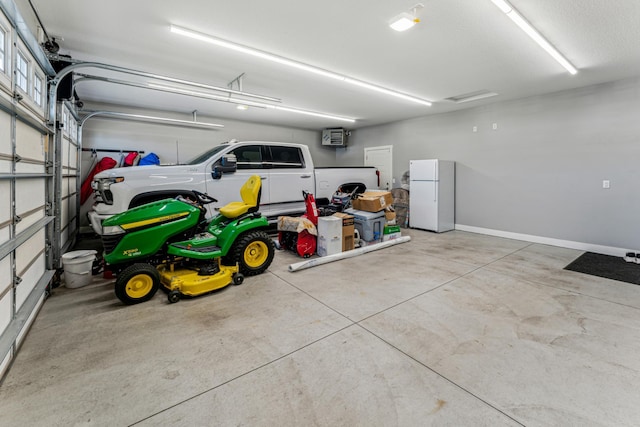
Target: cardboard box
389,215
348,230
373,201
391,232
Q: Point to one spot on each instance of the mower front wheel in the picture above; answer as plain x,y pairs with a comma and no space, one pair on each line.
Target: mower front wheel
137,283
238,279
253,252
174,296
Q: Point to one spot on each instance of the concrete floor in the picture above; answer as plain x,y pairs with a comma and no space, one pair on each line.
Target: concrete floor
456,329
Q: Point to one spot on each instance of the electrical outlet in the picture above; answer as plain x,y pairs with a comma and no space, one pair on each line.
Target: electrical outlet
606,184
494,126
475,128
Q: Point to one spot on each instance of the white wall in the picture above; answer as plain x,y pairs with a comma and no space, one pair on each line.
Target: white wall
540,173
162,139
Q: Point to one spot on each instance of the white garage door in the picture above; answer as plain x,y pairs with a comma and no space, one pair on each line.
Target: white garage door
27,175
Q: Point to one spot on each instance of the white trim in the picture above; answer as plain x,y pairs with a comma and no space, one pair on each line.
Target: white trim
590,247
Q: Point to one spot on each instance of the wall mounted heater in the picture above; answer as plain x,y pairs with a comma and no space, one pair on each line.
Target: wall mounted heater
334,136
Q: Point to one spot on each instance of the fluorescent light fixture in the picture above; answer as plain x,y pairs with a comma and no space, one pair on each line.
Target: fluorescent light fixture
197,94
403,22
294,64
387,91
519,20
247,104
472,96
151,119
311,113
502,5
253,52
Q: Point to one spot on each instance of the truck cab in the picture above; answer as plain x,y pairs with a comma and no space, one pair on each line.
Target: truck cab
285,169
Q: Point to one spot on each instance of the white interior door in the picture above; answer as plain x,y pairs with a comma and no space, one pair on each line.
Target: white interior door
382,158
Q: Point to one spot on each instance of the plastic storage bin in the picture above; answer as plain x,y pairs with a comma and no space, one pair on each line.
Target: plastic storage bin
369,224
77,267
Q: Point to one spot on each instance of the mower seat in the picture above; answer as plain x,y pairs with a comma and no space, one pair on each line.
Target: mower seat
250,193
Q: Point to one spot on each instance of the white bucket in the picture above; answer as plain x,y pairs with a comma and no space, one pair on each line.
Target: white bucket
77,267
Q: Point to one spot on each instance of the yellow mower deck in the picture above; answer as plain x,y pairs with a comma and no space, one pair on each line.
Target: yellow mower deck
188,282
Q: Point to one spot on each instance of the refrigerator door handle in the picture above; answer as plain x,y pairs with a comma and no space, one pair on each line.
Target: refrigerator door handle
435,191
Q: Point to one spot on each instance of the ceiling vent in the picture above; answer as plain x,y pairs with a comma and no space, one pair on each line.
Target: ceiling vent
336,137
472,96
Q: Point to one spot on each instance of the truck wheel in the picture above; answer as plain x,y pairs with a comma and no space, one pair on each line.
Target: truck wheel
137,283
253,252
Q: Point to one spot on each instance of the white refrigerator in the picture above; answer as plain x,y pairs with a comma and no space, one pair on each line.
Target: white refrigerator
432,195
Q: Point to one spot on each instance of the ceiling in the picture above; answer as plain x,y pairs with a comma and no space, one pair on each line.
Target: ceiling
461,46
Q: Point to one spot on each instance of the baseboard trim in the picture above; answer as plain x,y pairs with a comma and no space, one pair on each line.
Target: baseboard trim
600,249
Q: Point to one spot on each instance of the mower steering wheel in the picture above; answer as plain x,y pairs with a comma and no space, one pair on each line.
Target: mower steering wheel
204,199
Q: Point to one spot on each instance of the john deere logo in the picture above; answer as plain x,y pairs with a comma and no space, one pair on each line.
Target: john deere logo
131,252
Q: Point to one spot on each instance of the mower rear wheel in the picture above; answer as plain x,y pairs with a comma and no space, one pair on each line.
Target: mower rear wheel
253,252
137,283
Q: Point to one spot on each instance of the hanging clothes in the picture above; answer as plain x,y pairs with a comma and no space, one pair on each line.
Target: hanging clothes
104,164
149,159
130,159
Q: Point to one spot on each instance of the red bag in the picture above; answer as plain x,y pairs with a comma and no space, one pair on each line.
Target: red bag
104,164
130,159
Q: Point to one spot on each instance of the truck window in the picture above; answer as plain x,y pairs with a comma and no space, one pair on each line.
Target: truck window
206,155
286,157
249,157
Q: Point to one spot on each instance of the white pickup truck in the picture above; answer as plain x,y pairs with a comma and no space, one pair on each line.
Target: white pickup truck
286,170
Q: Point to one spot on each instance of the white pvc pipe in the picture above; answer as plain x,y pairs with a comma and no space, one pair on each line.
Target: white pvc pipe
348,254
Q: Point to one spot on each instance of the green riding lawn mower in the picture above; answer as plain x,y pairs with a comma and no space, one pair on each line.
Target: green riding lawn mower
170,244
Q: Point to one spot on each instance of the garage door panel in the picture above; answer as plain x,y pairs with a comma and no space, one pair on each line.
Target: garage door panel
5,279
72,206
31,142
64,237
28,220
5,133
30,280
5,364
5,210
73,157
4,235
29,321
6,293
25,167
64,213
29,195
6,304
65,188
65,152
5,166
29,250
5,142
